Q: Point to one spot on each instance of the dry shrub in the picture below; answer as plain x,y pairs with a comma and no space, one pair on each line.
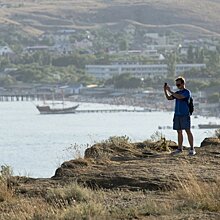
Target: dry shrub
149,207
199,194
88,210
115,145
155,208
26,208
5,178
135,205
5,193
124,213
116,142
75,150
69,194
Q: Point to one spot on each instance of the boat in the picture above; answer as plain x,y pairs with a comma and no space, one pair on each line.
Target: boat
46,109
209,126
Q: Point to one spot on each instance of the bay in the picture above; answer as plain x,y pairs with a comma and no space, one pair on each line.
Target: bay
35,145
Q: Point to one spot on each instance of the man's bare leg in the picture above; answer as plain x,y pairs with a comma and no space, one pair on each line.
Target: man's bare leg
190,138
180,139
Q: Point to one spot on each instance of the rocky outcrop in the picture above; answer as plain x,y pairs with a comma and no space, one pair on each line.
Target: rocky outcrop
210,142
117,163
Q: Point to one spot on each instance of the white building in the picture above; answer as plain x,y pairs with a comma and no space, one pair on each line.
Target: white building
181,68
5,50
165,47
32,49
63,48
156,38
69,89
83,44
60,36
137,70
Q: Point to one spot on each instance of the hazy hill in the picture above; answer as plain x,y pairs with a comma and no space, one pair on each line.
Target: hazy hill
200,17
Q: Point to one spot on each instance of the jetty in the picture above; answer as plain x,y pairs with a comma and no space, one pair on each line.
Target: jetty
112,110
16,97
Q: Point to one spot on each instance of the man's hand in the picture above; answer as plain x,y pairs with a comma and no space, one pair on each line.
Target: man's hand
168,89
165,86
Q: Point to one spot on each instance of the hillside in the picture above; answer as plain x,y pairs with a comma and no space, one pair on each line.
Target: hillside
187,17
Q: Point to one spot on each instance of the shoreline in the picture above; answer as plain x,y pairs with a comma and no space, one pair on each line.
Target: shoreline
133,104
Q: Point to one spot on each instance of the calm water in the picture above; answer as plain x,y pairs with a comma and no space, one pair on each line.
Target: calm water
36,145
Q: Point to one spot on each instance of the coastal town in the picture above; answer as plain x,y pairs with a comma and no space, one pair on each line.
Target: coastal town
128,73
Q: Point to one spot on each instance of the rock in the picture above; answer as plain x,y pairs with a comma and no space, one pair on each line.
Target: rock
210,142
70,167
120,148
135,166
119,164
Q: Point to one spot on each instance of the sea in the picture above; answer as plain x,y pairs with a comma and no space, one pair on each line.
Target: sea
36,145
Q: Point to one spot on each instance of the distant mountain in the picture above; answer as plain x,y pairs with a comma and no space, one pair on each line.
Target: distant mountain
193,18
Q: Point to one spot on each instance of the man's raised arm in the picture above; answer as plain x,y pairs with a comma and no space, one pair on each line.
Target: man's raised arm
175,95
168,96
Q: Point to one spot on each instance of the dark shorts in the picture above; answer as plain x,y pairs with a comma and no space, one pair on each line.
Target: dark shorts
181,122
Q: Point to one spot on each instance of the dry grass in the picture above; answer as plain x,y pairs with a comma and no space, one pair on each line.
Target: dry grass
90,210
192,194
5,193
69,195
74,201
199,194
148,207
26,208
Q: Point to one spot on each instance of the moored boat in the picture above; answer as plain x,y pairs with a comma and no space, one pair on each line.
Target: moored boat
209,126
46,109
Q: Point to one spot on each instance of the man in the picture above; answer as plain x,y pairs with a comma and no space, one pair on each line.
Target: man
181,120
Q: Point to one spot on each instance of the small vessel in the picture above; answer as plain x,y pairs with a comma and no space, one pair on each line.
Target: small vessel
209,126
46,109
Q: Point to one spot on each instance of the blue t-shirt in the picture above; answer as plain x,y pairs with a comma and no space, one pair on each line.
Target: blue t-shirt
181,106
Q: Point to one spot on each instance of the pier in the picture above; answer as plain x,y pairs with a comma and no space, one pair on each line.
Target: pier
17,98
14,97
113,110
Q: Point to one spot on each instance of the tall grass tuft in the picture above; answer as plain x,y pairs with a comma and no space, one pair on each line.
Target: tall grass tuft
89,210
69,194
198,194
5,178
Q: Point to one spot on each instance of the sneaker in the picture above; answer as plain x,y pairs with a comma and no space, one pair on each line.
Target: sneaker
177,151
192,152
